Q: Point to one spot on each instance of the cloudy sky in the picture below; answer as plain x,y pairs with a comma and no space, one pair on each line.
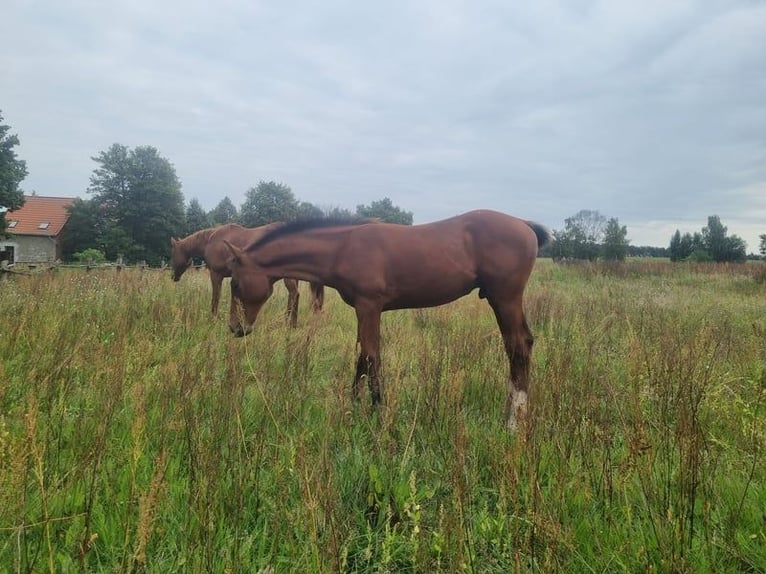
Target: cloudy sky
653,112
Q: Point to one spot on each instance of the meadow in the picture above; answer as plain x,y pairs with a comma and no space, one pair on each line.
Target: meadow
137,435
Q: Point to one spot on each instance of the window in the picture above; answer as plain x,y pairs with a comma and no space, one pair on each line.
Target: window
43,225
12,223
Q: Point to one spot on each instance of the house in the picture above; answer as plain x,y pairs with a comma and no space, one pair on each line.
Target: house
33,230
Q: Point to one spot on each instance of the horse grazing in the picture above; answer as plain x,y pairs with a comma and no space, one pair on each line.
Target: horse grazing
209,245
381,267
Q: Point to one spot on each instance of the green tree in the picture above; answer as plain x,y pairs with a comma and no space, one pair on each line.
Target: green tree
581,237
736,249
139,203
196,218
675,246
12,173
682,246
309,210
266,203
616,241
224,212
763,244
691,243
83,230
720,246
714,237
338,212
386,211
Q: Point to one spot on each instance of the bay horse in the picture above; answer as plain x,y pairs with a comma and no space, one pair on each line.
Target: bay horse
380,267
208,245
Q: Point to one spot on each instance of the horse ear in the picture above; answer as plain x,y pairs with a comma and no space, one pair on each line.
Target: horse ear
173,241
235,251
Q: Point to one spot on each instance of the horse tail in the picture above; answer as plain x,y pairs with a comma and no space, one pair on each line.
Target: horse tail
544,236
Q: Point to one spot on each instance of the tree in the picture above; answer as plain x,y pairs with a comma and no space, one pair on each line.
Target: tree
309,210
83,229
266,203
338,213
714,237
712,244
139,201
581,236
763,244
720,246
196,218
590,223
615,246
682,246
386,211
675,246
735,249
224,212
12,173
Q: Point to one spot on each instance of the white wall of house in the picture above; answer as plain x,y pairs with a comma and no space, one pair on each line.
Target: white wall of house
31,249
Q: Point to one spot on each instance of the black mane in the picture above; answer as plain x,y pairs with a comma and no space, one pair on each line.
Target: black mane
306,223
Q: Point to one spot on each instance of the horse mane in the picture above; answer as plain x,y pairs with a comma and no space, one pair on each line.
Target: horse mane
195,242
306,224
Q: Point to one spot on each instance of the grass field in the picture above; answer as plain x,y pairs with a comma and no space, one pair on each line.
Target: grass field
136,435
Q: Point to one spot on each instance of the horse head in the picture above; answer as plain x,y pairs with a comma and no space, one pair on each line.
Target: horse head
250,286
180,260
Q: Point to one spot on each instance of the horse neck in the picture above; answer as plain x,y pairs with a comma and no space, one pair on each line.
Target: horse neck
194,244
308,256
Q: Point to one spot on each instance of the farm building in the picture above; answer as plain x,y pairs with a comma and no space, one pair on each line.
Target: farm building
34,230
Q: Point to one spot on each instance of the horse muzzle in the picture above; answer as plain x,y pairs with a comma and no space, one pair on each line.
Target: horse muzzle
240,331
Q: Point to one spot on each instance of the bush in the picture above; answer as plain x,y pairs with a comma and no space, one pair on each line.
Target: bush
699,256
89,256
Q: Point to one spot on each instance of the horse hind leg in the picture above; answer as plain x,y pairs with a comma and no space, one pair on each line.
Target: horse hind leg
317,297
293,296
518,341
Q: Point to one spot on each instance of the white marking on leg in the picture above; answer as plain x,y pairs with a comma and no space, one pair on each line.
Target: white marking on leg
518,409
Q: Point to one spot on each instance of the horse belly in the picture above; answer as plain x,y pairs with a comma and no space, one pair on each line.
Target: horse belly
431,293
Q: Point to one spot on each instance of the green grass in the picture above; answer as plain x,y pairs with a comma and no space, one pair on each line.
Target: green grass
137,435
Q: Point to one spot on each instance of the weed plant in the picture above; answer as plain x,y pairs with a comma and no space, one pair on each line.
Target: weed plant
137,435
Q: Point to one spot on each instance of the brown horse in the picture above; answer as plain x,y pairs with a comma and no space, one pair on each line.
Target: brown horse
208,244
381,267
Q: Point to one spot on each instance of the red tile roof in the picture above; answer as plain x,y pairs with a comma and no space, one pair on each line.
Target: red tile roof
36,212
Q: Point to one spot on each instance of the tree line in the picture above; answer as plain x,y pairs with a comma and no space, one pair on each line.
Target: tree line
710,244
136,206
589,235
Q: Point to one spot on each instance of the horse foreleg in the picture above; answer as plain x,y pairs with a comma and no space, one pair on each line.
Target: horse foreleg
317,297
293,295
215,280
368,364
518,341
236,317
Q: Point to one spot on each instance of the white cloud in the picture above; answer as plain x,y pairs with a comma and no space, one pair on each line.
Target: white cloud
648,112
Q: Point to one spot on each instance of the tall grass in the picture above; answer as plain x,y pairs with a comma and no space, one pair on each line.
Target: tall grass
137,435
